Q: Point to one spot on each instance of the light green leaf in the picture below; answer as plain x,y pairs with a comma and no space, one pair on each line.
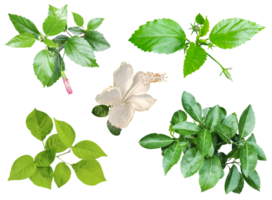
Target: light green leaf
232,122
65,132
172,155
49,43
231,33
204,141
253,180
159,36
94,23
224,132
213,118
186,128
96,40
21,41
45,158
246,122
252,138
62,174
78,19
43,177
194,59
114,130
178,116
76,30
209,173
59,66
240,186
258,149
39,124
89,172
192,107
199,19
100,111
55,22
51,10
88,150
248,159
205,28
223,113
22,168
155,141
232,180
23,25
79,51
191,162
55,143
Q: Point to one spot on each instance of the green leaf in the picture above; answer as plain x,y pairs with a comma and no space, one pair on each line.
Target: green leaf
94,23
224,132
79,51
172,155
260,152
52,9
240,186
232,122
60,38
21,41
191,162
22,168
159,36
252,138
178,116
55,22
100,111
213,118
186,128
192,107
205,28
59,66
62,174
45,158
49,43
23,25
232,180
253,180
212,148
246,122
43,66
96,40
55,143
88,150
199,19
76,30
194,59
205,113
204,141
43,177
78,19
65,132
223,113
155,141
209,173
39,124
248,159
89,172
114,130
231,33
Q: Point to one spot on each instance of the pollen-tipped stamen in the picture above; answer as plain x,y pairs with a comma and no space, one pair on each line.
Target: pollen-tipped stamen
150,77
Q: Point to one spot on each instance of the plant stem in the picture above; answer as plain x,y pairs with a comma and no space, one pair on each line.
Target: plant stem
69,34
62,61
221,66
64,161
64,153
43,145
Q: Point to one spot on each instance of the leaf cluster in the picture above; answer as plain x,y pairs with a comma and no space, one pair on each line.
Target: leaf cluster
201,141
38,169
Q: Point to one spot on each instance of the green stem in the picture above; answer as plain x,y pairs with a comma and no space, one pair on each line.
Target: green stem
69,34
221,66
64,161
62,61
65,153
43,145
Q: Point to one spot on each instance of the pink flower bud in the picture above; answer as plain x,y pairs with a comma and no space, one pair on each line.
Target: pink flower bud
66,83
67,86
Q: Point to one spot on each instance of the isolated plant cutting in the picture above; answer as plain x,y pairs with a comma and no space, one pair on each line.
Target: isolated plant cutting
48,64
201,141
127,95
165,36
39,171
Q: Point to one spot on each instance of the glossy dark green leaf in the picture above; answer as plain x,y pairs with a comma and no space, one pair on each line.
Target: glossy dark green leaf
258,149
78,19
22,41
49,43
204,141
232,122
224,132
191,162
209,173
159,36
65,132
253,180
96,40
114,130
192,107
55,143
199,19
60,38
62,174
240,186
205,113
205,28
43,177
45,158
248,159
246,122
59,66
213,146
213,118
94,23
178,116
172,155
155,141
101,111
223,113
76,30
186,128
232,180
23,25
234,153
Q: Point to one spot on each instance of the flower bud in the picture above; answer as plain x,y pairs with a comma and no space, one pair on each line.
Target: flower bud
66,83
227,74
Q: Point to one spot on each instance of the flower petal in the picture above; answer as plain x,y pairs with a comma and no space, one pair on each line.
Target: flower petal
122,77
121,115
137,87
110,96
141,102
